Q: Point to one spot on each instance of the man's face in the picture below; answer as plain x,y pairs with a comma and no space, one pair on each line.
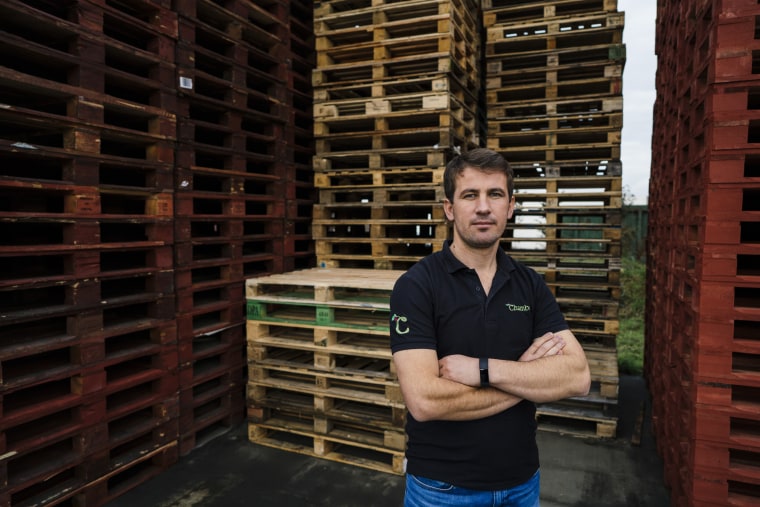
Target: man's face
481,207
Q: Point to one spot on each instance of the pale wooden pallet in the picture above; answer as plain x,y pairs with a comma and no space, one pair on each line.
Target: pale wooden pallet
352,447
265,401
322,339
329,74
576,422
383,159
335,14
324,283
549,8
588,23
387,106
396,177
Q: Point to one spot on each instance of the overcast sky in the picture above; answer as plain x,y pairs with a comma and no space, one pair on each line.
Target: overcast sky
638,95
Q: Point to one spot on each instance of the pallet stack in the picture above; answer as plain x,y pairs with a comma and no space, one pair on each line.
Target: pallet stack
88,339
554,94
702,358
300,194
321,379
237,192
394,97
154,155
392,101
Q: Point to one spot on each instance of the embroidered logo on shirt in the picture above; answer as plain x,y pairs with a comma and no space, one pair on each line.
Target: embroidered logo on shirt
399,320
517,308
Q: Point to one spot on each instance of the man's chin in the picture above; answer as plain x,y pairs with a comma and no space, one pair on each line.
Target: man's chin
481,243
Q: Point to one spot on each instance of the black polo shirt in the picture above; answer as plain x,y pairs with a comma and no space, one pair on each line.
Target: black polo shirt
440,304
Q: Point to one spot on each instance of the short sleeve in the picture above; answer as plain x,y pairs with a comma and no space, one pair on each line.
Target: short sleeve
412,314
548,318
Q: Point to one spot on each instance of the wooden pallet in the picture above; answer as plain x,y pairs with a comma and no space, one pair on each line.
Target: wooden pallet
210,408
403,195
357,448
576,124
403,211
329,74
325,285
387,107
329,250
593,27
593,415
436,131
505,75
397,158
326,370
375,388
363,180
336,9
541,110
585,187
358,28
566,170
578,308
242,23
592,154
421,84
323,341
583,248
323,409
603,365
556,141
402,231
577,422
342,298
508,11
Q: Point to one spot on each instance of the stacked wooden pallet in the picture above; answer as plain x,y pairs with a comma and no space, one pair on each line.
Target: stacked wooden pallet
235,171
132,214
703,299
321,379
393,92
88,339
554,95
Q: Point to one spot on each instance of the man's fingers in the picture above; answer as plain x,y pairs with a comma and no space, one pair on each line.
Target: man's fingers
547,345
541,341
556,348
555,342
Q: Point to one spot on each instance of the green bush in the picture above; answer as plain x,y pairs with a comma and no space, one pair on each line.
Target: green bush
630,342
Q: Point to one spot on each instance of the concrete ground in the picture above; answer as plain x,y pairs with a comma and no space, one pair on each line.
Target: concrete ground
230,471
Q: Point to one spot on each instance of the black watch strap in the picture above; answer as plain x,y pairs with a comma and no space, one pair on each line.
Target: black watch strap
484,372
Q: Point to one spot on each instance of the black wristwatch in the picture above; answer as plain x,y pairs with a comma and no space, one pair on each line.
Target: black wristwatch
484,372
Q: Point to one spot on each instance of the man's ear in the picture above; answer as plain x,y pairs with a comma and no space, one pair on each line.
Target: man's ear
511,207
448,209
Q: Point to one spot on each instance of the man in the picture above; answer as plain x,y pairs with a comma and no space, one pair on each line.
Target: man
477,340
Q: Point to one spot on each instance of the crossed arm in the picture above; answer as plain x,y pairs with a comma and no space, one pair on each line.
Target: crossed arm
553,367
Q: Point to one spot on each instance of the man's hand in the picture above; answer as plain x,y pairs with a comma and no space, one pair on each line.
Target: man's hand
547,345
459,368
466,370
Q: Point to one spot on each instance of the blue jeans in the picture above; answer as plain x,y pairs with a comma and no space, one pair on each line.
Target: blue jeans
422,492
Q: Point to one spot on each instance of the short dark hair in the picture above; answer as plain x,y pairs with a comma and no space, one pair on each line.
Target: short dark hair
482,159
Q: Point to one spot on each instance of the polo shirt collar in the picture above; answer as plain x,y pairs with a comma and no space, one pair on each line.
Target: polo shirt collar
503,261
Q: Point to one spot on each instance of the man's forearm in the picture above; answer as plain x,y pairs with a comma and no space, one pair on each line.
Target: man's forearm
458,402
553,368
542,380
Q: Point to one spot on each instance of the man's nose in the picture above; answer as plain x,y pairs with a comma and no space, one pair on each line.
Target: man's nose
483,206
